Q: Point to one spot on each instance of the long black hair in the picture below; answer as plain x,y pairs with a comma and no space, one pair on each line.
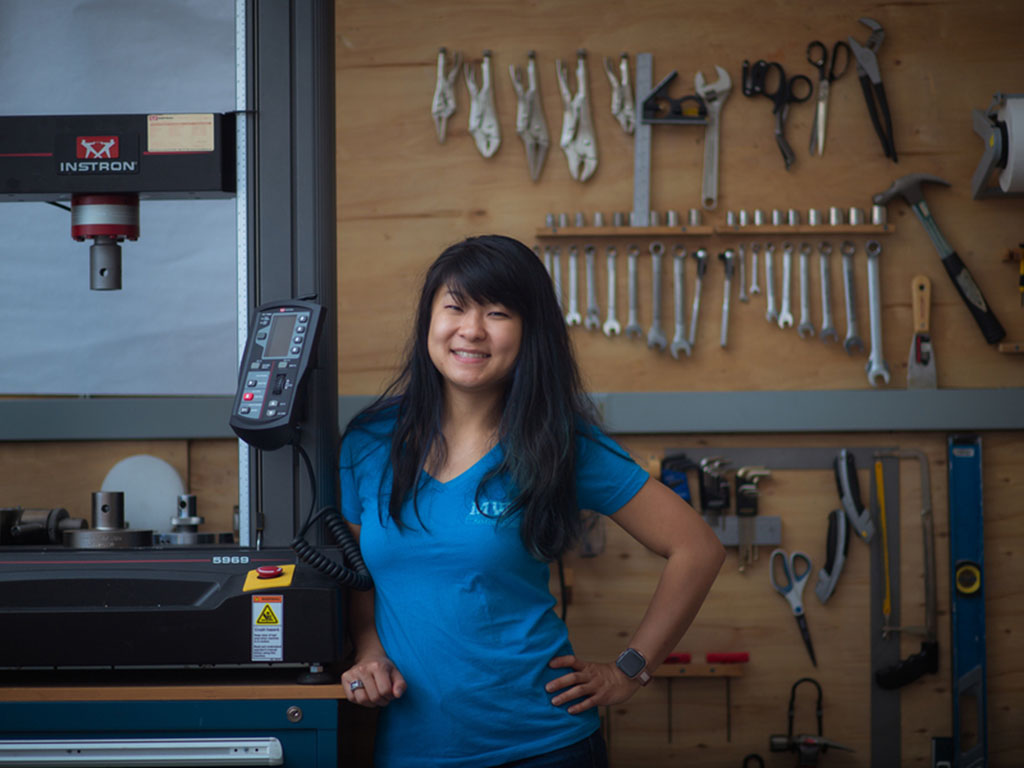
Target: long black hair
544,405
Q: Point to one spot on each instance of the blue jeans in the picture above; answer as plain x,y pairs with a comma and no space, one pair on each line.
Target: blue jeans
591,752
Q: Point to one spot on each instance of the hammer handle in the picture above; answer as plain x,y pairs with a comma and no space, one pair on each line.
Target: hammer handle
969,291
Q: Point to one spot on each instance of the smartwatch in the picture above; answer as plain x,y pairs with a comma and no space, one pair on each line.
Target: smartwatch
634,666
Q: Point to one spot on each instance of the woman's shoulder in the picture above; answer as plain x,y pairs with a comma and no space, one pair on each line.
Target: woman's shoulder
370,428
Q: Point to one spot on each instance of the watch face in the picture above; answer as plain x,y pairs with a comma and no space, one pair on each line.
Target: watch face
631,662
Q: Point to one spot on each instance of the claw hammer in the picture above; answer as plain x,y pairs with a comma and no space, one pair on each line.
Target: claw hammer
909,188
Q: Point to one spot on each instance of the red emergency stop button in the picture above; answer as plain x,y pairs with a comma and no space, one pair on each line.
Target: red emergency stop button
269,571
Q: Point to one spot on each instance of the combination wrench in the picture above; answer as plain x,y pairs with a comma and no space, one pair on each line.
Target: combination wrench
556,273
771,314
852,341
741,257
655,336
611,323
786,312
679,341
728,259
876,368
572,317
755,251
633,329
806,328
592,320
702,266
828,327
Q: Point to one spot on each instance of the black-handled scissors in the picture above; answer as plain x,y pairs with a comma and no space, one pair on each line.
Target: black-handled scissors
755,81
796,570
818,56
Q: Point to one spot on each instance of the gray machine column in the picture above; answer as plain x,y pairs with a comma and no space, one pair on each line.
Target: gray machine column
292,251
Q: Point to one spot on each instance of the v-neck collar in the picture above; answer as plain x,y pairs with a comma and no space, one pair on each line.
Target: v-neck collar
475,469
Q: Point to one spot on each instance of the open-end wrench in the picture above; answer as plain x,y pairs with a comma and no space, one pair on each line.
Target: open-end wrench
852,341
656,336
741,258
806,327
611,323
755,251
828,326
771,314
556,273
679,341
702,266
876,368
633,329
786,311
714,96
592,320
572,317
729,260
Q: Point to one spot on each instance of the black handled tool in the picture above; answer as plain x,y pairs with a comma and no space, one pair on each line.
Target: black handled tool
909,188
836,548
845,468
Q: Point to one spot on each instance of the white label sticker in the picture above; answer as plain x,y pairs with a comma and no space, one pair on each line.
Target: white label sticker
268,627
179,133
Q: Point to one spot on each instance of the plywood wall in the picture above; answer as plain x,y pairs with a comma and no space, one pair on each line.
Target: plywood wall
403,197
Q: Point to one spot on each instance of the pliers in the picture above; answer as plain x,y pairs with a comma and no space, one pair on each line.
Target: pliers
483,117
443,105
871,84
577,139
623,108
530,123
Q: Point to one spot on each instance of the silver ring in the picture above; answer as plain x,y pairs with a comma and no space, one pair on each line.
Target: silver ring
355,685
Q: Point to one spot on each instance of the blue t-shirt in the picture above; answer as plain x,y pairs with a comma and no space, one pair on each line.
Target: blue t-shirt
464,611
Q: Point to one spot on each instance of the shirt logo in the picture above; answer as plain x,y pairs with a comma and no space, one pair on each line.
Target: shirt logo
487,511
97,147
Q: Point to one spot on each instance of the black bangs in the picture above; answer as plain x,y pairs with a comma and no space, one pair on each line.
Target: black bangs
488,270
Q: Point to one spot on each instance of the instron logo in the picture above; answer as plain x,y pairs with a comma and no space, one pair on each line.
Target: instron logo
96,147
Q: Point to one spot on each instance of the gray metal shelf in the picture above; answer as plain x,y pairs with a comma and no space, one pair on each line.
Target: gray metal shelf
181,418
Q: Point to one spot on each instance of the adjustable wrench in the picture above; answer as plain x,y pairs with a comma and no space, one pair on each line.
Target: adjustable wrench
728,259
702,266
828,327
572,317
593,317
771,315
714,96
741,257
876,368
655,336
679,341
755,251
852,341
633,329
611,323
786,312
806,328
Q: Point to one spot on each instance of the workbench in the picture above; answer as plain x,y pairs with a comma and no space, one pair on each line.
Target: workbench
303,718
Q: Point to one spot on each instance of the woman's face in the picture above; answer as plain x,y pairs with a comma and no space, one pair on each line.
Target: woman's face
473,346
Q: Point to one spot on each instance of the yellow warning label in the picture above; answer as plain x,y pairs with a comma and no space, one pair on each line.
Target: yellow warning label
267,616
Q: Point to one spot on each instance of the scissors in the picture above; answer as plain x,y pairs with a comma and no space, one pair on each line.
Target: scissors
796,568
754,81
818,55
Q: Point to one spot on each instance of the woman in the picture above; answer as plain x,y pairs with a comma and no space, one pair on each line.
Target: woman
461,483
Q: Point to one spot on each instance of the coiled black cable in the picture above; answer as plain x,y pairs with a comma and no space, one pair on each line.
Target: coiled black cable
356,577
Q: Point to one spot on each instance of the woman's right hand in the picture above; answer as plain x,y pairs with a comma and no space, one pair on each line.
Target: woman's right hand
380,678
